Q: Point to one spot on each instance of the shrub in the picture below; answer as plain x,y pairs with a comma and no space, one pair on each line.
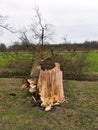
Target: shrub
73,66
76,65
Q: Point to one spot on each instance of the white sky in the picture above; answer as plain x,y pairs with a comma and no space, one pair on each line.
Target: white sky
77,20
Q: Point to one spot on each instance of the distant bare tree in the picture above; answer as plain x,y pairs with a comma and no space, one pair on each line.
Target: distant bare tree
3,47
24,38
65,39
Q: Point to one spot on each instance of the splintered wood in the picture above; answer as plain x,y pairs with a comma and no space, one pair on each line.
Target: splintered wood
50,86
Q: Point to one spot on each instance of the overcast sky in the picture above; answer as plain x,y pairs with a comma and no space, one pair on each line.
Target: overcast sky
77,20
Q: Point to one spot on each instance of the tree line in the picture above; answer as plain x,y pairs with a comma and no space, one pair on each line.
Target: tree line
27,46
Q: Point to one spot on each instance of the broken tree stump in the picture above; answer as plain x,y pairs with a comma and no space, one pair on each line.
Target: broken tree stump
50,86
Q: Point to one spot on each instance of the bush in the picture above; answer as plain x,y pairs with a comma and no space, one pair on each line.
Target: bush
73,66
76,65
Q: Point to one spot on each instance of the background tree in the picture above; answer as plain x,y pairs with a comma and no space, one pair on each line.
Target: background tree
24,38
3,47
41,31
4,25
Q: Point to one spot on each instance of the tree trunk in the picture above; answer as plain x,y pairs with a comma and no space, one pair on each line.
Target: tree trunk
50,85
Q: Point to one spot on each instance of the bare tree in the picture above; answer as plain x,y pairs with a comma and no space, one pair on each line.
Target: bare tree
65,39
41,31
24,38
4,25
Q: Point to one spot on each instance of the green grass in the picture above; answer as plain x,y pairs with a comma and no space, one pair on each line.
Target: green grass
81,113
6,57
93,59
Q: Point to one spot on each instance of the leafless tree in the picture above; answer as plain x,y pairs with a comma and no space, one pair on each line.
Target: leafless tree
24,37
65,39
41,31
4,25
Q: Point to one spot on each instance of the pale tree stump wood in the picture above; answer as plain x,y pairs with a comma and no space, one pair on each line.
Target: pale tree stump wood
50,86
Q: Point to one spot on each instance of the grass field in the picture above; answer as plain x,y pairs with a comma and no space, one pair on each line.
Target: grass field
93,59
17,113
15,64
5,58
